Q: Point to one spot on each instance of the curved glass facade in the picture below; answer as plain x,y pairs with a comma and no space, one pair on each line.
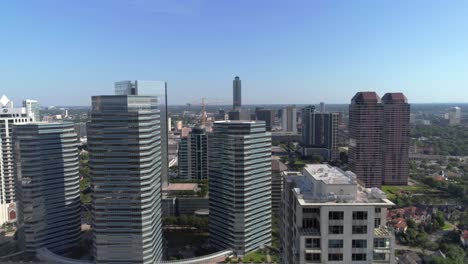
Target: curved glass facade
47,186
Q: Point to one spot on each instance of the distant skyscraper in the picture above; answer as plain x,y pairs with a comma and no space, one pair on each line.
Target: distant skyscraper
395,139
32,109
289,119
240,186
151,88
322,107
455,116
266,115
320,133
124,141
237,93
379,138
48,188
9,117
193,155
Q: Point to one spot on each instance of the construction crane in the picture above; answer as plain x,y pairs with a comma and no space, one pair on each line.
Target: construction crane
203,104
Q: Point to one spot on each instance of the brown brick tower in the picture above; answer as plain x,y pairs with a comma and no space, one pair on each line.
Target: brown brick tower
365,133
395,139
379,138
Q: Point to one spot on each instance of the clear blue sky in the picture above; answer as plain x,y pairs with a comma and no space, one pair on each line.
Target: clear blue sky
62,52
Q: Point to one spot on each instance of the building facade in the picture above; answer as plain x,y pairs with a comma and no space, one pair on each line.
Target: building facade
47,186
32,109
236,93
327,217
239,114
9,116
289,119
126,181
278,169
193,155
320,133
157,89
240,186
454,116
266,115
365,138
395,138
379,138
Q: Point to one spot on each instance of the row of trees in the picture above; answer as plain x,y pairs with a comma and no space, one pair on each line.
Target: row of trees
200,223
444,140
85,180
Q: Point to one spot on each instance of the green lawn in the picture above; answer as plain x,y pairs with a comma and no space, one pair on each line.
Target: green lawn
256,256
447,227
393,191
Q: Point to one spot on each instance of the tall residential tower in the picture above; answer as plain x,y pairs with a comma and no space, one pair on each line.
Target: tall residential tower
289,118
9,116
395,139
124,141
240,186
365,138
193,155
379,138
319,133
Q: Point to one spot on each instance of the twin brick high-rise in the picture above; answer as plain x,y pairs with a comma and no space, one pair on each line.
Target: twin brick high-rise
379,138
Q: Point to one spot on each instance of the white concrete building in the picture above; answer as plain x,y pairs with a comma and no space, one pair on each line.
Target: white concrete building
9,116
289,119
327,217
455,116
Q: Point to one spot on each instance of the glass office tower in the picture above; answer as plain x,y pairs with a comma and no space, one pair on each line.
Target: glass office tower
159,90
240,186
124,141
47,186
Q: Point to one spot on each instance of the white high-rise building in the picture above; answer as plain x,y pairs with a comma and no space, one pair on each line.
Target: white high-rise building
327,217
32,109
10,116
455,116
289,119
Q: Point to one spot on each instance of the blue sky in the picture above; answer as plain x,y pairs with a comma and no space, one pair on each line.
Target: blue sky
63,52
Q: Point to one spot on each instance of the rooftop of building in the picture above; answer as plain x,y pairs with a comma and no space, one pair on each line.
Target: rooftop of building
365,97
277,165
327,185
235,122
328,174
181,187
392,98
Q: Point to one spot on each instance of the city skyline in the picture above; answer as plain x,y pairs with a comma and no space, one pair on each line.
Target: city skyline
322,50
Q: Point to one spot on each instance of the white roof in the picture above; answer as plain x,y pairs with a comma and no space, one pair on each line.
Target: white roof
328,174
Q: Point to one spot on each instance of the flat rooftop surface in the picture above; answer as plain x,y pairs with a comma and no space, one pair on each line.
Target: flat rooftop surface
328,174
180,187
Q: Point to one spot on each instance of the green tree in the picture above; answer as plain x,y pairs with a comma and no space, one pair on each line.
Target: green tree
440,219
